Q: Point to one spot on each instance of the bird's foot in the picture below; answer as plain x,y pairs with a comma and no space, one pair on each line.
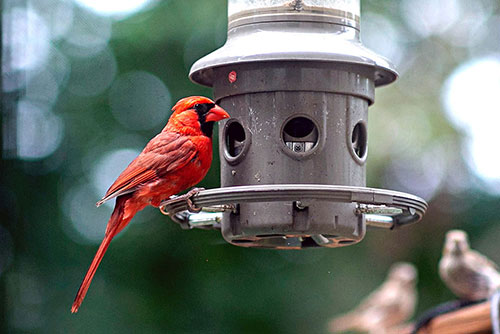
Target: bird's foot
191,206
186,197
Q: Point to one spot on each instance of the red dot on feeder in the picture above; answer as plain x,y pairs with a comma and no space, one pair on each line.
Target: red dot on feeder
231,76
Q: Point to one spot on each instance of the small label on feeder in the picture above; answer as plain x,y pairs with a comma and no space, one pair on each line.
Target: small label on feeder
232,76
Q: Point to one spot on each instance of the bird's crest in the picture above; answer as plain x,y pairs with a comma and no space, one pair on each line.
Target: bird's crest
188,103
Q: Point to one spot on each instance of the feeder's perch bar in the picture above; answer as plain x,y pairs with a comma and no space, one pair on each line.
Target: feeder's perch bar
213,220
382,208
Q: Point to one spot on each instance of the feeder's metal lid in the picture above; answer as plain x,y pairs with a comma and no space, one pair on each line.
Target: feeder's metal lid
293,41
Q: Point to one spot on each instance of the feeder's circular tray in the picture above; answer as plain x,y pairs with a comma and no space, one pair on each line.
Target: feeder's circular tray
383,208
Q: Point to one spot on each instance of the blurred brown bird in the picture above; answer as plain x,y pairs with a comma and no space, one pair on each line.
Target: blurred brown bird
467,273
390,305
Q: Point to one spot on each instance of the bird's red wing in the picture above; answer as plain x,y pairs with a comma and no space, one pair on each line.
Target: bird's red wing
164,153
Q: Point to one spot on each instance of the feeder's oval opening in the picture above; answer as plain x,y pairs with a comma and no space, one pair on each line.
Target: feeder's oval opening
300,134
236,141
359,141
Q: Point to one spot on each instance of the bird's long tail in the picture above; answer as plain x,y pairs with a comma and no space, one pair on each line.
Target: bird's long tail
115,224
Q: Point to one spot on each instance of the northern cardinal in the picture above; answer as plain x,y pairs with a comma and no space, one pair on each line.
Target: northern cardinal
467,273
176,159
385,308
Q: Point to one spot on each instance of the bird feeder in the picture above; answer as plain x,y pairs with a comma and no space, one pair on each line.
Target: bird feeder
297,83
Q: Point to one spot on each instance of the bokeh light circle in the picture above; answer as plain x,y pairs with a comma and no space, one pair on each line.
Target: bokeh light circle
119,8
59,67
139,100
89,34
109,167
88,221
42,87
58,14
470,98
422,175
380,35
39,131
26,39
430,17
92,76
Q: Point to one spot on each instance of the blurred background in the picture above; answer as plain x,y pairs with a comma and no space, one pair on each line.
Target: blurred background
86,83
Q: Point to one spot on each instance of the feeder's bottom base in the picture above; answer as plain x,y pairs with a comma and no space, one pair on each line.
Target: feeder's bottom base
278,241
294,224
296,216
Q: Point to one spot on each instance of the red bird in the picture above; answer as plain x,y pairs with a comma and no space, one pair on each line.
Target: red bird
176,159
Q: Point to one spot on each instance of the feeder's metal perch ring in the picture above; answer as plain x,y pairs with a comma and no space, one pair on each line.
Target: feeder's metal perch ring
382,208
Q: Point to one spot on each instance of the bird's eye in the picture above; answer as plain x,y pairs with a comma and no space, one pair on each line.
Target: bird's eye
197,105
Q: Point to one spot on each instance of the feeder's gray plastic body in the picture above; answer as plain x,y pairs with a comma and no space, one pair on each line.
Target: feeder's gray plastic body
299,115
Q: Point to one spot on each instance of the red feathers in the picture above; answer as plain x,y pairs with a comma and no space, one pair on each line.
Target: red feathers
188,102
176,159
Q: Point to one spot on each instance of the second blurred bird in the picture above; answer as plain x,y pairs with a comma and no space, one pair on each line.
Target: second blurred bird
392,304
467,273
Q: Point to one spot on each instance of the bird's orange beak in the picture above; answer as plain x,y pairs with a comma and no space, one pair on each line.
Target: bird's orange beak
216,114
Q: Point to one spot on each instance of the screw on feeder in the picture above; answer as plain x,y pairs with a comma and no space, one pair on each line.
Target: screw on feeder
300,205
297,82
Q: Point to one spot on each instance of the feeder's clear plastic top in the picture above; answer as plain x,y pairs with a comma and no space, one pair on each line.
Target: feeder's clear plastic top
238,8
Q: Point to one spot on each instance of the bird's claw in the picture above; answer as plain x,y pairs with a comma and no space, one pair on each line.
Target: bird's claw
191,206
186,197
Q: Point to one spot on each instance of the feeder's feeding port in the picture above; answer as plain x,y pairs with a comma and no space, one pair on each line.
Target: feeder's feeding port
297,83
